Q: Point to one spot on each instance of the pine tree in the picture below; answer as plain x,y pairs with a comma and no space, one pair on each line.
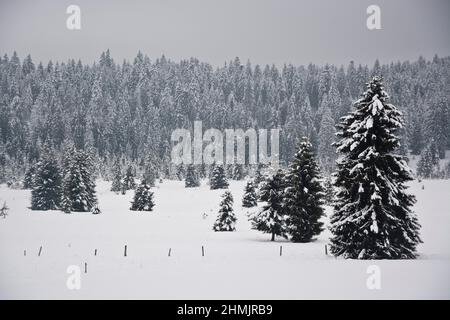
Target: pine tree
116,185
66,202
150,173
250,198
438,124
46,192
79,183
218,179
372,216
202,171
192,179
259,175
238,172
143,198
327,153
416,139
329,191
128,180
29,177
226,220
271,218
180,172
428,165
303,198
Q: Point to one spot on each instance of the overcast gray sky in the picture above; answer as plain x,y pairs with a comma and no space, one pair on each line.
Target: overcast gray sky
215,31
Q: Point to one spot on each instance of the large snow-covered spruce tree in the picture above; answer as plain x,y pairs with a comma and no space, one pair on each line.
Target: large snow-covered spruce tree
271,218
226,220
46,192
303,197
372,216
79,182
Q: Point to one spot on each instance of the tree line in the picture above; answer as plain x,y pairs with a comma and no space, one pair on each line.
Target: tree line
127,111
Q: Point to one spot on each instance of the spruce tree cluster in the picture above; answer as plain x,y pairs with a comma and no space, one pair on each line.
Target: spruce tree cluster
69,189
226,220
127,109
372,216
428,165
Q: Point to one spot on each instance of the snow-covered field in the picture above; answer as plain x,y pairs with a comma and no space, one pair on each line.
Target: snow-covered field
237,265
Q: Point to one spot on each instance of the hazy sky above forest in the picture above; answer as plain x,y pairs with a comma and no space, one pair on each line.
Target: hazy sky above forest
215,31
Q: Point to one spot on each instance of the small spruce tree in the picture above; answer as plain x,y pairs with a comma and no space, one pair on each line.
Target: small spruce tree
4,210
226,220
150,173
329,191
143,198
271,218
250,199
259,176
218,179
238,172
116,185
180,172
128,180
192,180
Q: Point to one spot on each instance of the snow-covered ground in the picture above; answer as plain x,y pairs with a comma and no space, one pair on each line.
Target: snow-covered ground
237,265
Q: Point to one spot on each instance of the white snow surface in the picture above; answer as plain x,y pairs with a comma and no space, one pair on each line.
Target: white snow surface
237,265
